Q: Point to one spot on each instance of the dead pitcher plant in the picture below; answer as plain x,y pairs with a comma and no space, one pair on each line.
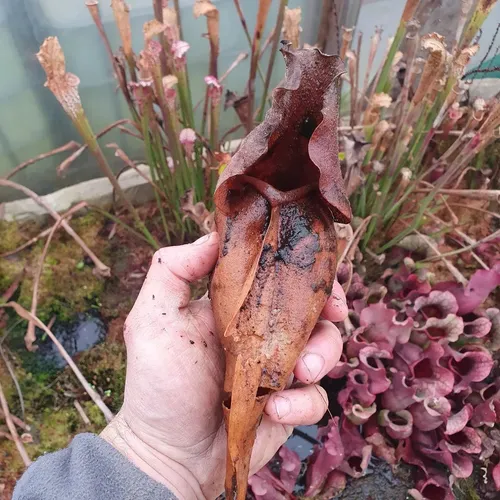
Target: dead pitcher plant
276,204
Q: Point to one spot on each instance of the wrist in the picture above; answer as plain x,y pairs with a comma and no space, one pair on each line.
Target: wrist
177,478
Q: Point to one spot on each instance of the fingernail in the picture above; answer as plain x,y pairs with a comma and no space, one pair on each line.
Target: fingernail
203,239
282,406
314,364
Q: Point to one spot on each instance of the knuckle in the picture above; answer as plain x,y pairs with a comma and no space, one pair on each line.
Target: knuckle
160,255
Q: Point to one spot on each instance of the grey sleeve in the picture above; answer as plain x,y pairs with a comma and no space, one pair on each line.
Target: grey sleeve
89,469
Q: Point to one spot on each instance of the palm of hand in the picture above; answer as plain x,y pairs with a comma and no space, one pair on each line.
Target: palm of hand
175,373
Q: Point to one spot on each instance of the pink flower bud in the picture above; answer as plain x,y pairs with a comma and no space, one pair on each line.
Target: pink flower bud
179,49
187,137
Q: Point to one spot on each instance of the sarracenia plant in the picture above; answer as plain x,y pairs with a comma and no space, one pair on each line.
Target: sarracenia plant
412,126
183,156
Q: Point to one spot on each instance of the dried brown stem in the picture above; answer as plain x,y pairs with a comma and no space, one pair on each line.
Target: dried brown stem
30,336
12,429
262,13
245,29
68,161
453,270
17,421
123,156
67,147
6,435
45,232
474,194
464,236
470,207
12,374
350,247
466,248
91,392
81,412
125,130
241,57
101,268
267,42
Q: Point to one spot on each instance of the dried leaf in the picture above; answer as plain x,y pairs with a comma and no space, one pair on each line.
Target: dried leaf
62,84
198,212
276,204
291,26
151,29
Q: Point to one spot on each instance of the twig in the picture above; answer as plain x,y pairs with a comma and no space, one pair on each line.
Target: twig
467,248
241,57
470,207
67,162
108,415
355,238
262,13
267,42
229,132
45,232
474,194
453,270
12,428
17,421
68,146
123,156
125,130
247,33
101,268
14,379
272,58
81,412
6,435
467,238
30,337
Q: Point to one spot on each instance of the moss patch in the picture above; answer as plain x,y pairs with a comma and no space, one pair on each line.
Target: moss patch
67,285
11,236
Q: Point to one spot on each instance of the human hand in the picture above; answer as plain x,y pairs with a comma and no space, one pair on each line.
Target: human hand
171,424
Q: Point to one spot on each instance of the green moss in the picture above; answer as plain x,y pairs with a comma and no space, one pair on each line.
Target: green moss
10,269
104,367
66,287
95,415
56,429
11,236
465,489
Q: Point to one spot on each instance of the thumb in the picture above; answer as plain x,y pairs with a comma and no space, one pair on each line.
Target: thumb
166,287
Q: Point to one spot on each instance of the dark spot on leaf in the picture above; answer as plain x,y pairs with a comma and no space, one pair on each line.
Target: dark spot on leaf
205,343
159,260
153,296
163,314
307,127
298,243
191,342
227,236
